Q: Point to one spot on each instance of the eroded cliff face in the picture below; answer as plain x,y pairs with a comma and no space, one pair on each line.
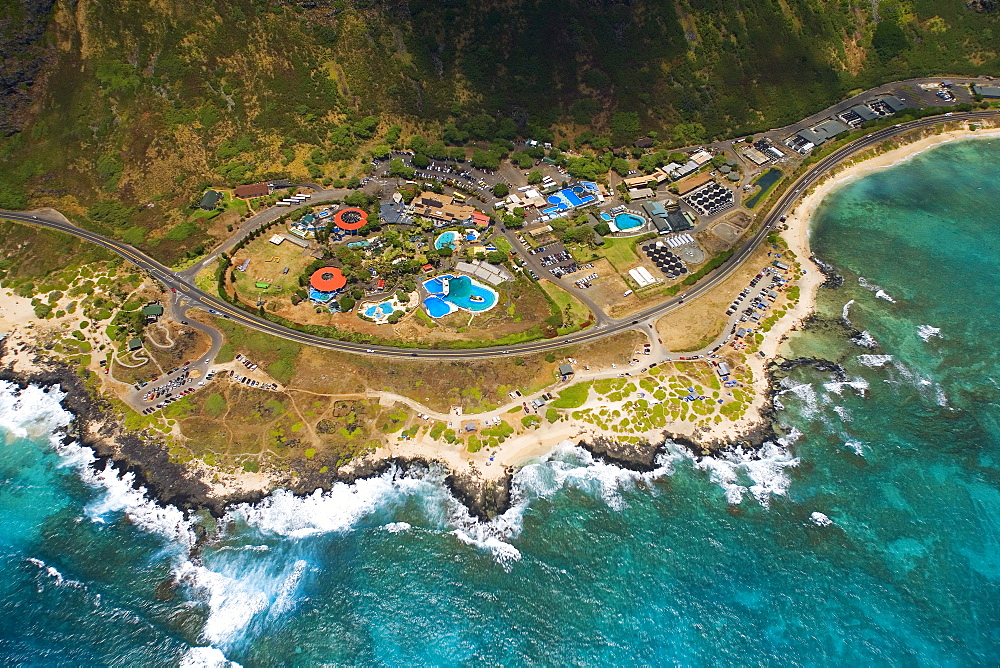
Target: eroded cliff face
23,54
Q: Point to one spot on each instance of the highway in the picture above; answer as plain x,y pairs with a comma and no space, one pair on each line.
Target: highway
184,285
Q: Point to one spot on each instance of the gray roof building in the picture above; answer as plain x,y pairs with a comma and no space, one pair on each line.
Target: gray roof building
666,220
565,370
893,103
864,112
393,212
986,91
822,132
210,200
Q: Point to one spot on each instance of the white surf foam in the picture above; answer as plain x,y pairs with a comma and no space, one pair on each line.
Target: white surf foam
874,360
857,447
843,414
846,311
397,527
882,294
806,394
206,657
865,340
859,385
52,572
760,473
33,412
926,332
819,519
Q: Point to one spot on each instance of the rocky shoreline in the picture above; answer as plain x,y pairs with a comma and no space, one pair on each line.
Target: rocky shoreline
173,483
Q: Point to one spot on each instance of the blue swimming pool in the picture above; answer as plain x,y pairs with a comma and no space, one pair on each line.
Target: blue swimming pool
437,307
446,239
606,217
382,310
628,221
457,291
317,296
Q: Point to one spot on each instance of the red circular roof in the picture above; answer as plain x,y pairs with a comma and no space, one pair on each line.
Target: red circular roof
327,279
350,219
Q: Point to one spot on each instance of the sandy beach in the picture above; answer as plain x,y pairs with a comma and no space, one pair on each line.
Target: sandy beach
533,444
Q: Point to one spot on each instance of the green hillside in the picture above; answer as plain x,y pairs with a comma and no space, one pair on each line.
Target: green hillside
147,102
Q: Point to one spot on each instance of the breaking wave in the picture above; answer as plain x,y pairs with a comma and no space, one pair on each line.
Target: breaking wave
926,332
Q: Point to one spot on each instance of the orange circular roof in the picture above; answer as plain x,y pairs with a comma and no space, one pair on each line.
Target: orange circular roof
327,279
350,219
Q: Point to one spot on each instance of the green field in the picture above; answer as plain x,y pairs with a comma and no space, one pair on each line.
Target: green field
620,252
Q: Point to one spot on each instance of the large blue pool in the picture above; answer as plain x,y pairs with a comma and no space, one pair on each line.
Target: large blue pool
628,221
448,292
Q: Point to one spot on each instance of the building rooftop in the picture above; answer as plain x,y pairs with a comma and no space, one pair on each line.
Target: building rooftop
249,190
209,200
152,309
441,207
392,212
893,103
687,185
865,112
565,369
328,279
986,91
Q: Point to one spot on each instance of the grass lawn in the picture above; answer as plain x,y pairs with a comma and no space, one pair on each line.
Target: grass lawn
572,310
502,244
620,252
267,264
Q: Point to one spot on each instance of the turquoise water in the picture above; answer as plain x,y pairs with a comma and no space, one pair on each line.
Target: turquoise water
627,221
868,536
446,240
437,307
382,309
461,292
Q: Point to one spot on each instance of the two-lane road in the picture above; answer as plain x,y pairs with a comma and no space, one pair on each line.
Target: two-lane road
184,284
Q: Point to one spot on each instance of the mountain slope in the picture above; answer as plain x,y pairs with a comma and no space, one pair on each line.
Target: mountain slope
149,101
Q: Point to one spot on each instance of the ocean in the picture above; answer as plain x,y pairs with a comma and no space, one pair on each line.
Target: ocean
868,534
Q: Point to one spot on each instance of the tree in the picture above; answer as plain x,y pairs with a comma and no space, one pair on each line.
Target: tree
513,222
621,166
392,134
366,127
522,160
534,177
417,144
889,40
689,133
398,169
718,160
678,157
453,135
421,161
496,257
346,303
602,228
501,190
382,151
485,159
625,126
